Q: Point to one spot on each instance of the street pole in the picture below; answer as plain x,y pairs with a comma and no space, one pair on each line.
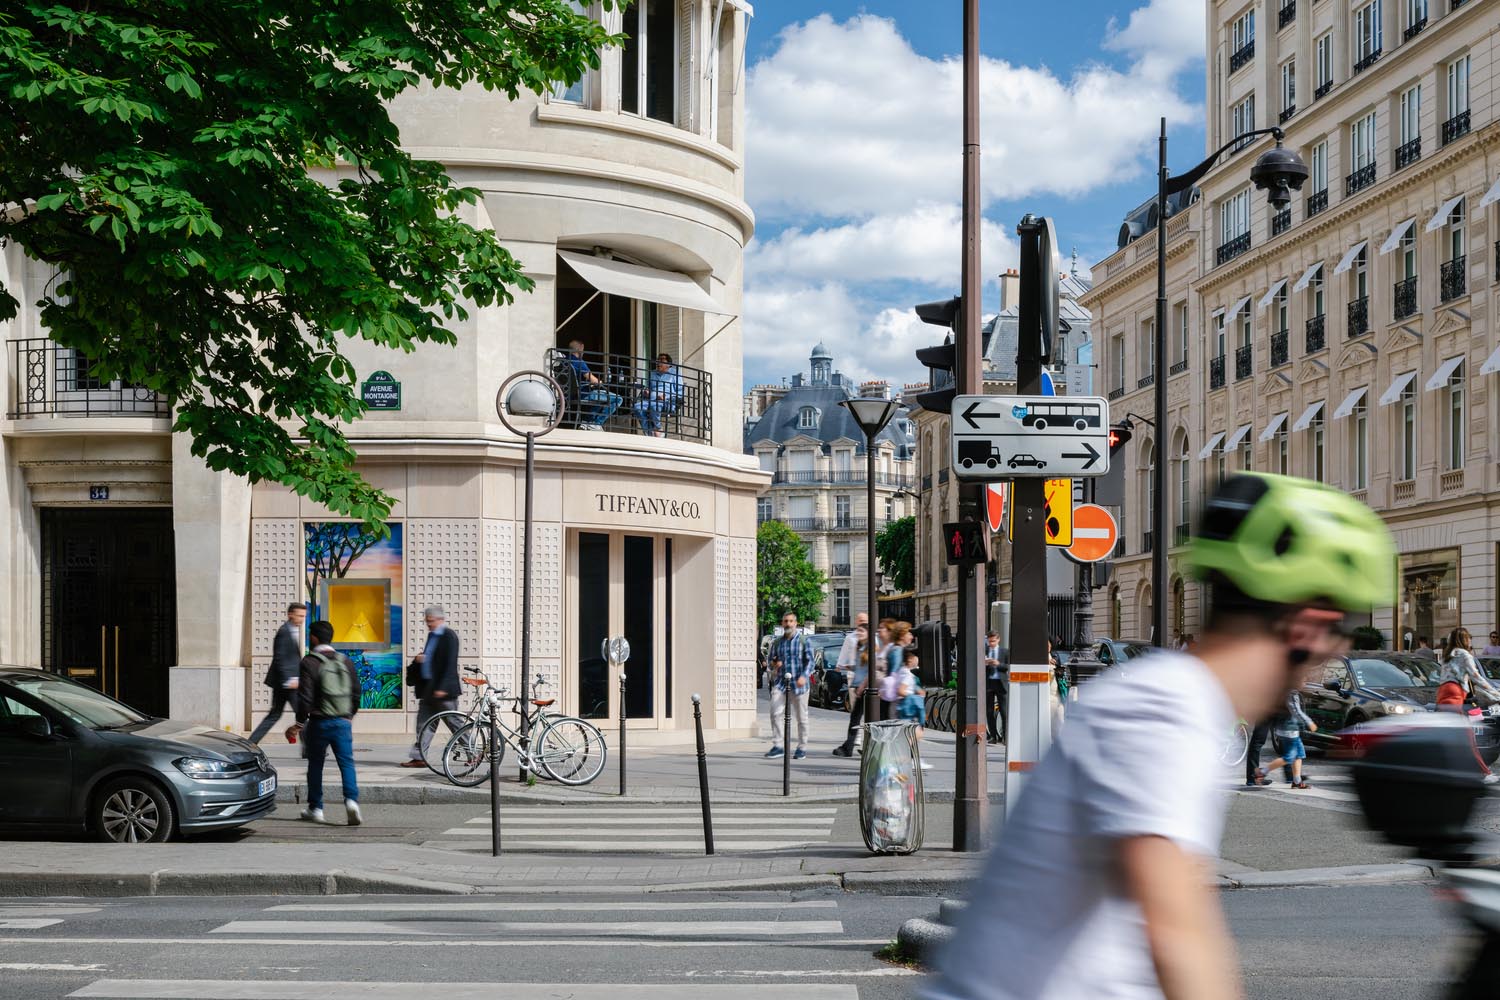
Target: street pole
526,605
971,792
872,686
1159,393
494,754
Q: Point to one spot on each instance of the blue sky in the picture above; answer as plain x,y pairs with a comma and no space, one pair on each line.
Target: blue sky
853,158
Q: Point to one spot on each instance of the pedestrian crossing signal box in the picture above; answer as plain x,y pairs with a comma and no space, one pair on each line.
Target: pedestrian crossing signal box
966,543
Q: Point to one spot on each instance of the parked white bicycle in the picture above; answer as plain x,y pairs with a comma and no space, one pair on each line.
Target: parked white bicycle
566,749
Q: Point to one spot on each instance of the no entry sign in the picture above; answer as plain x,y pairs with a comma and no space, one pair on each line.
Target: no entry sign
1094,533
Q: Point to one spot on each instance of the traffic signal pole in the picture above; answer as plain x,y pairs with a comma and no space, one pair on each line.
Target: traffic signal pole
971,789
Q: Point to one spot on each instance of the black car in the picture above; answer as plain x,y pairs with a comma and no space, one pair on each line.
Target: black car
830,685
1348,690
72,758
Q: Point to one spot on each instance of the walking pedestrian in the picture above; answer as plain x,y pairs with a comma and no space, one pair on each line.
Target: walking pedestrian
281,676
1461,668
434,675
1289,728
911,699
894,638
855,657
327,699
1253,778
996,685
791,653
1493,649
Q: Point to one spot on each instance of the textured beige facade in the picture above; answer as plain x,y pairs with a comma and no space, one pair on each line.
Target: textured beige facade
1354,339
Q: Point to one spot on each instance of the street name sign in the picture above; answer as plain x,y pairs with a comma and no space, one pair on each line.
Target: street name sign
1044,437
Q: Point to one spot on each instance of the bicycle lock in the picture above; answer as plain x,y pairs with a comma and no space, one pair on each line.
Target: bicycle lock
495,781
786,735
708,819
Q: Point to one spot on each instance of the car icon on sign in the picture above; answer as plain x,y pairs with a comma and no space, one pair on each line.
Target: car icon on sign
1032,460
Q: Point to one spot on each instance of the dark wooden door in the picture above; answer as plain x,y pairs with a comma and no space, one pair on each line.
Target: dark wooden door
110,614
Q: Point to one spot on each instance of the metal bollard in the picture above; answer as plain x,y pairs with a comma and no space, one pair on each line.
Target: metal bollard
494,783
622,732
786,736
708,819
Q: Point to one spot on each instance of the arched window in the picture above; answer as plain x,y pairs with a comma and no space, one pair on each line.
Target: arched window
1179,607
1114,611
1184,491
1148,507
807,417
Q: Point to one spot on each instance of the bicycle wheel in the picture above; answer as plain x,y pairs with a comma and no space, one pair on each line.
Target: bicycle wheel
1236,745
571,751
433,743
466,758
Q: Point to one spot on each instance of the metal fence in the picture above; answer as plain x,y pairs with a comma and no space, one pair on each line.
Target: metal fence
619,392
50,379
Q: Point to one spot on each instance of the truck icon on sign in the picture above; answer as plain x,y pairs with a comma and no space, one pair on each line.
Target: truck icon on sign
972,453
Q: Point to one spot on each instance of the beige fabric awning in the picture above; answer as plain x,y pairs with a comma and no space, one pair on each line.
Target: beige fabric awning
650,284
1274,426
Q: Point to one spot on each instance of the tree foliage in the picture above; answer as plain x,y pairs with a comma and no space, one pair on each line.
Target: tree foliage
896,548
786,580
158,152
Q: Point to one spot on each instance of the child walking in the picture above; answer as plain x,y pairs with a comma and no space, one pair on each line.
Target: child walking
911,704
1289,730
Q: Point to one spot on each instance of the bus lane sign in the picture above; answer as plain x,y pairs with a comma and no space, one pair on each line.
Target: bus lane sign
1047,437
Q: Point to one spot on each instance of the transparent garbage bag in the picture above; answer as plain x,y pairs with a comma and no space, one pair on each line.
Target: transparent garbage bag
890,789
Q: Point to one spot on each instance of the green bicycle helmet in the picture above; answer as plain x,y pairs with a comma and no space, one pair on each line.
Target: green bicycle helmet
1294,542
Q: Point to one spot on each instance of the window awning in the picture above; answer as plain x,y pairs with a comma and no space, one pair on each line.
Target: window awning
1491,364
1491,196
1213,443
650,284
1273,426
1234,310
1397,387
1347,261
1308,416
1234,439
1444,373
1394,240
1350,402
1270,295
1440,217
1307,277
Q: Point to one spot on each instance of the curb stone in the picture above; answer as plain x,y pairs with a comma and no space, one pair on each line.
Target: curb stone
1347,875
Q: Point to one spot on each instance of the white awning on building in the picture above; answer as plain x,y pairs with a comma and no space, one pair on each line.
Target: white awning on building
1440,217
1394,240
1350,402
1235,438
1307,277
1308,416
1491,196
1347,261
1234,310
1491,364
650,284
1213,443
1444,373
1270,295
1397,387
1273,426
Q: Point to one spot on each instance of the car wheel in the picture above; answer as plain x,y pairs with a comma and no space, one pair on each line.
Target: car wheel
132,811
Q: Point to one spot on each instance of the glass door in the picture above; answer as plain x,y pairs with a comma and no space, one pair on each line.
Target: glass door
623,588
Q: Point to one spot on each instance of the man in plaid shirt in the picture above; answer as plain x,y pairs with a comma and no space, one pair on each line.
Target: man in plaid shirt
790,653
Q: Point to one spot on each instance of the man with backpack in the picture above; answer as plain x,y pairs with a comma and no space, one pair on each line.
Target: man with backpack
328,692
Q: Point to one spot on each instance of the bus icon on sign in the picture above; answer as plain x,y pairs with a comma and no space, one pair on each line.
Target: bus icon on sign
1059,414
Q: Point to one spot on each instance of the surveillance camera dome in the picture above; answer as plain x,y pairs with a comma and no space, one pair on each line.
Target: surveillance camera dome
1279,172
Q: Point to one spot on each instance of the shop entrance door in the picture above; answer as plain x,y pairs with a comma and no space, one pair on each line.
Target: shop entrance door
624,588
109,611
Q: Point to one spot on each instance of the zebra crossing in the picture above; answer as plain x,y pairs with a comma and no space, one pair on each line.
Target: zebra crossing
657,828
1330,788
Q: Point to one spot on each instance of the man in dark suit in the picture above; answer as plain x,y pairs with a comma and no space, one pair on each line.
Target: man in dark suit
434,674
996,685
286,660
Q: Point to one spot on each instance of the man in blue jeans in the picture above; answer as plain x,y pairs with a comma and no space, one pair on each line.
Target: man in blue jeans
327,698
591,390
663,395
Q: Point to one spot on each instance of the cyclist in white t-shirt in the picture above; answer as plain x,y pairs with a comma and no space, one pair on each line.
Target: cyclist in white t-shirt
1097,889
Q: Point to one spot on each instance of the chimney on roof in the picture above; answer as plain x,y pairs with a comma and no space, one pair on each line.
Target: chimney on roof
875,389
1010,288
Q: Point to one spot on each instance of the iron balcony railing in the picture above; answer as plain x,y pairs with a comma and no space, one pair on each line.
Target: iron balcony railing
1408,153
1360,179
1497,260
1455,282
1316,202
1147,539
1178,368
1280,348
1366,62
1232,249
1242,56
1323,89
1285,114
1286,15
1281,221
52,380
927,481
1117,392
1216,373
839,569
1405,298
1456,127
1182,533
622,393
839,477
1359,317
942,476
1244,362
1315,337
1415,28
838,620
1145,380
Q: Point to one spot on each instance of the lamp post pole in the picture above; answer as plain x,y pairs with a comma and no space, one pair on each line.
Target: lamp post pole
1159,395
872,698
526,602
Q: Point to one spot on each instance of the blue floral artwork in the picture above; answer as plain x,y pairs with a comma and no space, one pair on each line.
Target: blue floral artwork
339,549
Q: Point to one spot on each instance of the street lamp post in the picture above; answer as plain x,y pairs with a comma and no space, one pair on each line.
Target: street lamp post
528,397
871,414
1278,171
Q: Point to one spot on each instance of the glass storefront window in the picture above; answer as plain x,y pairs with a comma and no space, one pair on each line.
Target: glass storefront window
1430,604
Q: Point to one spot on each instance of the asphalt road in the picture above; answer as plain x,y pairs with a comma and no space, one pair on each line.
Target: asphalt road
1393,942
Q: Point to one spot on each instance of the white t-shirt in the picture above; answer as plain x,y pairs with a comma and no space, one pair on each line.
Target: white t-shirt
1048,918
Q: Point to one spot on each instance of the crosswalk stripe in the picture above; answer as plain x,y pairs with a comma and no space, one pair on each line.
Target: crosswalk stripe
626,847
306,940
647,812
598,928
218,989
566,904
565,832
525,819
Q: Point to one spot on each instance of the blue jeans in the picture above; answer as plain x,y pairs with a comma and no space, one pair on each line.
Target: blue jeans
650,413
324,735
603,405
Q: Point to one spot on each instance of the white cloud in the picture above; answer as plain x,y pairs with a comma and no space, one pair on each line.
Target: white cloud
1166,36
783,322
847,120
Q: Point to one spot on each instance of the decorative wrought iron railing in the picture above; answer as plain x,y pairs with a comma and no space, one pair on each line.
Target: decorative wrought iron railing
1359,316
52,380
1244,362
1456,127
1315,339
1316,202
617,392
1360,179
1216,373
1408,153
1280,348
1242,56
1233,248
1404,298
1455,278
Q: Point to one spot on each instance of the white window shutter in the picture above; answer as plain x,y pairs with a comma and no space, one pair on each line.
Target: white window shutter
687,64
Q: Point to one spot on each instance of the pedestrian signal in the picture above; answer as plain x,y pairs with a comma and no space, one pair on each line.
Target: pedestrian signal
966,543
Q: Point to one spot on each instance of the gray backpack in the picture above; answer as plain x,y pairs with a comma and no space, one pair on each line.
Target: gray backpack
338,692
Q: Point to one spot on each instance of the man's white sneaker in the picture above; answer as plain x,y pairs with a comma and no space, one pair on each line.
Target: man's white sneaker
354,817
313,815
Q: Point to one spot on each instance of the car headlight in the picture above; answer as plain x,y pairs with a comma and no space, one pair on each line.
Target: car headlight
206,767
1393,708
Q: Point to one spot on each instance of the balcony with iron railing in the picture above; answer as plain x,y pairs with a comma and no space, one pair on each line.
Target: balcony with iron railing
1285,114
942,475
1147,540
839,477
1216,373
1116,392
1360,179
1415,28
1359,317
1182,533
839,569
1455,278
1404,298
1242,56
618,392
1315,340
1280,348
1497,260
1322,89
1316,202
1145,380
51,380
1408,153
1233,248
1244,362
1178,368
1456,127
1366,61
1281,221
1286,15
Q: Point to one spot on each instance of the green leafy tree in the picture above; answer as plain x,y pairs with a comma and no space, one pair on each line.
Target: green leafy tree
786,580
896,550
223,190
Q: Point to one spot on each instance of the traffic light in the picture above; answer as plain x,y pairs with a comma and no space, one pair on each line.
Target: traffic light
942,360
1119,436
965,543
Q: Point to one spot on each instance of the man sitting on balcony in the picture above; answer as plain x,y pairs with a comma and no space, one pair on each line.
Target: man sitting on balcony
590,390
663,394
